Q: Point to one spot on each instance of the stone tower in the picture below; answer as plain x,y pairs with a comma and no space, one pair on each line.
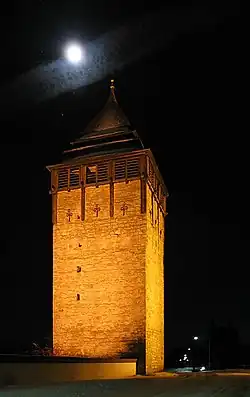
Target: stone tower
108,208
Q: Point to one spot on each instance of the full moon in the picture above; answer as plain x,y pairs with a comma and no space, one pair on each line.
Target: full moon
73,53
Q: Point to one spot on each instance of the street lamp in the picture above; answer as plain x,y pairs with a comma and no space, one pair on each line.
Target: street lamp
194,350
209,350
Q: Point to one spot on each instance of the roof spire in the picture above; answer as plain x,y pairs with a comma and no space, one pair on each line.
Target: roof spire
112,90
111,117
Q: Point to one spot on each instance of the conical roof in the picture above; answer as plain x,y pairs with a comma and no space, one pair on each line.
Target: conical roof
110,119
110,131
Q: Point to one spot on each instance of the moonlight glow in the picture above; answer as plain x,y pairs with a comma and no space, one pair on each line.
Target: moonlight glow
73,53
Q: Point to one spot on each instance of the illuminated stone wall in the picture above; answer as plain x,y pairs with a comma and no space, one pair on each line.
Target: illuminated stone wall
109,318
154,287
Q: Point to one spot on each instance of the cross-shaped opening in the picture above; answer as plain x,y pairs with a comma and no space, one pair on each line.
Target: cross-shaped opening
124,208
97,209
69,215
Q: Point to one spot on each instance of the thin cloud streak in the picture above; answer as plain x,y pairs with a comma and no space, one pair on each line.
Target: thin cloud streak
111,52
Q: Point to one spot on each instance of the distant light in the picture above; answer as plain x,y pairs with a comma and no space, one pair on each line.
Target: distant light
203,368
73,53
189,348
195,337
180,359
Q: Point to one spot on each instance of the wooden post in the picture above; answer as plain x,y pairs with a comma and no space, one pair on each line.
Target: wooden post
152,207
165,205
143,172
111,189
54,188
83,193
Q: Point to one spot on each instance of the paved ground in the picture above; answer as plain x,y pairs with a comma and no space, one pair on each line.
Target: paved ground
212,386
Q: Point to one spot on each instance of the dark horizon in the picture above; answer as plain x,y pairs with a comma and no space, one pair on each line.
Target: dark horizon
184,100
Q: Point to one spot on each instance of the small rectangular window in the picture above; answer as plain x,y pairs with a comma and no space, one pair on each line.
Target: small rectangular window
162,200
78,269
151,175
127,169
91,174
63,179
77,297
157,188
133,168
120,169
74,177
102,172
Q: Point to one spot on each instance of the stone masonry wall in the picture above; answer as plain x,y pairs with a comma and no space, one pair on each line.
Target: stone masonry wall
110,316
154,287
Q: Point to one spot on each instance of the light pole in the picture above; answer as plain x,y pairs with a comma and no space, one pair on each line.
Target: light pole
209,350
209,354
195,338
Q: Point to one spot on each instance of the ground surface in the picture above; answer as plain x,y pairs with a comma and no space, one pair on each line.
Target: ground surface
212,386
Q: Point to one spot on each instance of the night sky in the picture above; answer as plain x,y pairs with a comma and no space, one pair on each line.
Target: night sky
180,81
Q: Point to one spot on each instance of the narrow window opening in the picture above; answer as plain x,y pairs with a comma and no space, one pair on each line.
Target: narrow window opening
91,173
102,172
74,177
63,179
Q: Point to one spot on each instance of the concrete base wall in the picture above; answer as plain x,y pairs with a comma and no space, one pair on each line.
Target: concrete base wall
39,373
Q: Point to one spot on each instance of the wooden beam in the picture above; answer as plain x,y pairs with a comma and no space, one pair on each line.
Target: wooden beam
111,188
54,208
54,188
83,192
143,172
